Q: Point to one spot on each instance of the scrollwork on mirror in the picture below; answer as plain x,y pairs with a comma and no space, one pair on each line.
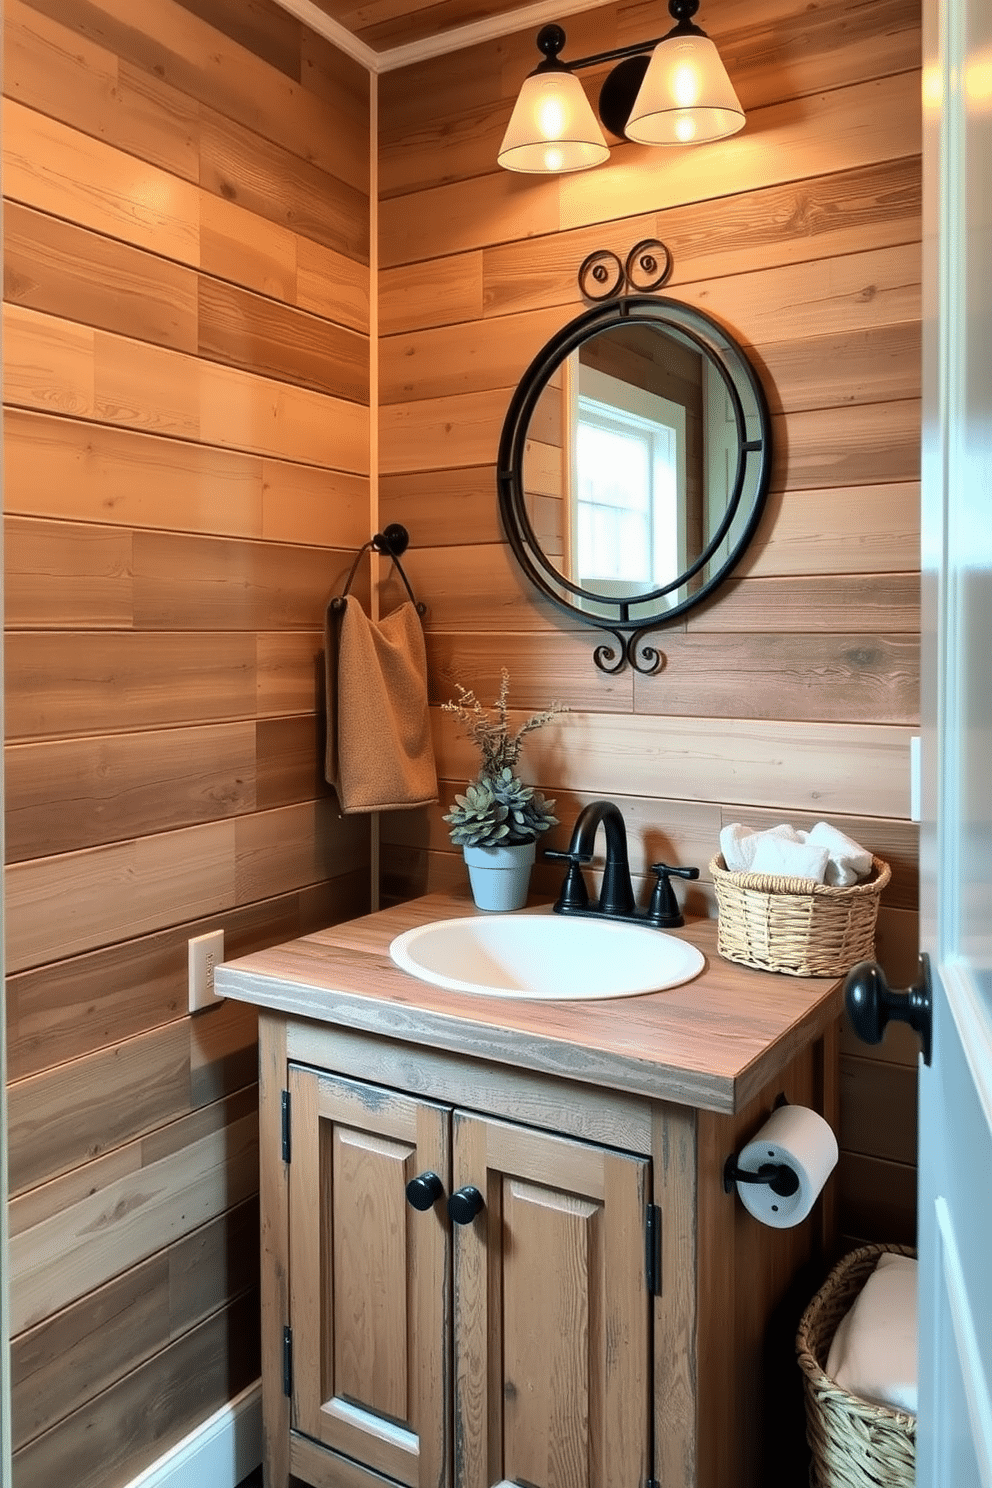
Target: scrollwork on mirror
648,266
633,465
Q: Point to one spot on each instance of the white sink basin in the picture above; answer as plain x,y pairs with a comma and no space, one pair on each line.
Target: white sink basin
545,956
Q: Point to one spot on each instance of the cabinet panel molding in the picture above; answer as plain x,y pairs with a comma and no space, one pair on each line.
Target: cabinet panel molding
553,1263
368,1276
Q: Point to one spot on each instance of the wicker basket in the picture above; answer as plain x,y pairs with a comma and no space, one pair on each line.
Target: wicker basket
854,1444
793,925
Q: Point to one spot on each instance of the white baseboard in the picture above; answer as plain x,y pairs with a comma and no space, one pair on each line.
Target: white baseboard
221,1452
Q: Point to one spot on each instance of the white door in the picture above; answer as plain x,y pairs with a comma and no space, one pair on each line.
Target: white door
955,1218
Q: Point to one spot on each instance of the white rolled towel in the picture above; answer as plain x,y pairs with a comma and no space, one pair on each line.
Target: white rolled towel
778,855
739,843
848,862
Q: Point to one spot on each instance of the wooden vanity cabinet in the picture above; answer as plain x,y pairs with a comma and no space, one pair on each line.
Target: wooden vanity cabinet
602,1321
512,1347
610,1317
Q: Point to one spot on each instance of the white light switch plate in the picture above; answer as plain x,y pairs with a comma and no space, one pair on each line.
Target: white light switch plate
205,953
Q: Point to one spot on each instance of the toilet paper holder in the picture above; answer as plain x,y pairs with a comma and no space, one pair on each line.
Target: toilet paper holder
783,1180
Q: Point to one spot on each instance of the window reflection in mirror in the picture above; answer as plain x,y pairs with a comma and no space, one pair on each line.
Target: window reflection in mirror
630,459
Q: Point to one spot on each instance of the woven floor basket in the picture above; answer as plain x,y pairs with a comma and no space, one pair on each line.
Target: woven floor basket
854,1444
795,926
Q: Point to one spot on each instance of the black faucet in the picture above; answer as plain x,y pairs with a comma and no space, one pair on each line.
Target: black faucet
616,898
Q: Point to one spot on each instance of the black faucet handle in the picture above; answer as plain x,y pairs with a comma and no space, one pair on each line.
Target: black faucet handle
662,868
663,910
574,894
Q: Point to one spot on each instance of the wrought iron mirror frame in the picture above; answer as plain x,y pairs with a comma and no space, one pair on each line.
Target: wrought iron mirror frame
716,343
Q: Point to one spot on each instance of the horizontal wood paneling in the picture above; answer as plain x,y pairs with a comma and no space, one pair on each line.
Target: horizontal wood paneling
868,602
71,77
444,507
66,271
159,1188
230,585
799,315
148,1081
74,274
275,184
864,678
868,1087
63,1010
246,330
90,472
58,1365
59,684
55,366
194,62
874,206
876,1199
81,792
52,167
853,529
288,761
830,678
858,769
137,1419
187,424
134,887
870,444
791,695
131,681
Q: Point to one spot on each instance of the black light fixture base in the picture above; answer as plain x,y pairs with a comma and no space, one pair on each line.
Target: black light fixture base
617,95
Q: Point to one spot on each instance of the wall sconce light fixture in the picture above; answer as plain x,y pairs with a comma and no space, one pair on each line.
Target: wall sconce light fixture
673,90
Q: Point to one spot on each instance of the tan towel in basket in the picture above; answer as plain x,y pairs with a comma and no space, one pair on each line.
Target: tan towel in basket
379,754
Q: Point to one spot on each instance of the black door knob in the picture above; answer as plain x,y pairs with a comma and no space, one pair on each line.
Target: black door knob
464,1205
871,1003
424,1190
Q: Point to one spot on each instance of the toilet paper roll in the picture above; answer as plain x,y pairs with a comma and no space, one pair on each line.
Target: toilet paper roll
801,1138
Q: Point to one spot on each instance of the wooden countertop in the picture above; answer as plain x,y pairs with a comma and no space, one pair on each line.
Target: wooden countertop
713,1042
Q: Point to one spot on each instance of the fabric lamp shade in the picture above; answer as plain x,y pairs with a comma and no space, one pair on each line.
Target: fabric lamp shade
552,127
686,97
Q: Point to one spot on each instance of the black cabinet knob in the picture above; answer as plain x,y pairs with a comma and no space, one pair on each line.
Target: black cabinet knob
424,1190
464,1205
871,1003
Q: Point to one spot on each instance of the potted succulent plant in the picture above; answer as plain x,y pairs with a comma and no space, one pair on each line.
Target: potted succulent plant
498,819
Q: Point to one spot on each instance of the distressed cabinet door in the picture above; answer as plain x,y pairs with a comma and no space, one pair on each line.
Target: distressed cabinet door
552,1355
369,1277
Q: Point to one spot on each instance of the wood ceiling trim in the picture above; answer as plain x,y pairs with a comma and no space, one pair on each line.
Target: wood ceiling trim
515,18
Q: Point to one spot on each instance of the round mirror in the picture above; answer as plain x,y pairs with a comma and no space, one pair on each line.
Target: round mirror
633,464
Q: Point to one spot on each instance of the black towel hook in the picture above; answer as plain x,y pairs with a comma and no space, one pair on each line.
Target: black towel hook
392,542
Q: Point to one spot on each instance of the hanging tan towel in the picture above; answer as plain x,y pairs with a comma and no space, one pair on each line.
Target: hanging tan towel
380,756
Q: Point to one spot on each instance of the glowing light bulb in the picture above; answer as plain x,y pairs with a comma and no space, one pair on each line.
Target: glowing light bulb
551,118
685,129
553,160
685,85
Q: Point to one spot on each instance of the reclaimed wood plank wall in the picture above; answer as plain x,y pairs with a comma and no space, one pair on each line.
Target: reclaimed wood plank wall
186,366
794,695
